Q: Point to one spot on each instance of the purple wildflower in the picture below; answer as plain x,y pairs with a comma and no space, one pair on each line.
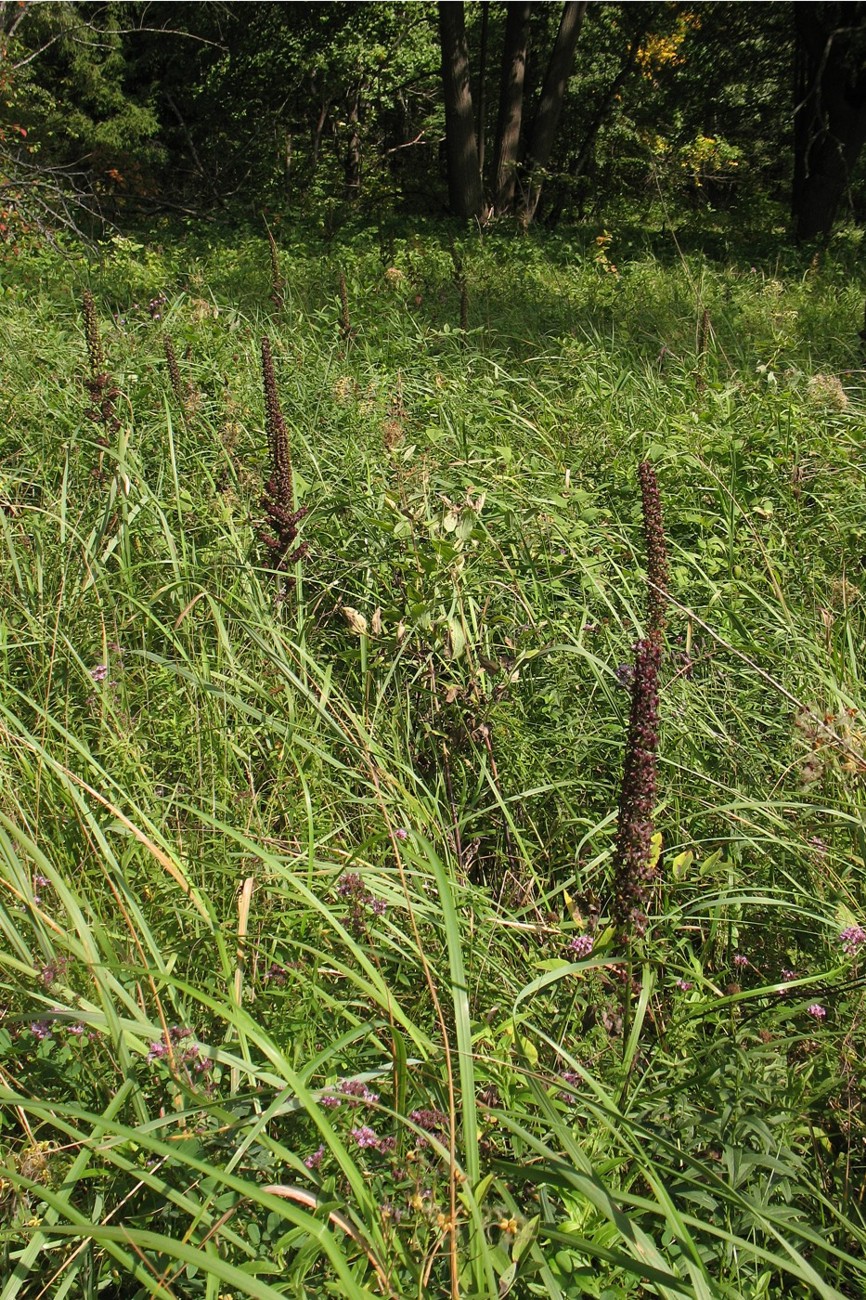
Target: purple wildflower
156,1051
40,1029
357,1091
434,1121
852,939
684,985
401,833
740,960
816,1011
329,1102
364,1136
99,673
78,1030
54,971
313,1161
581,945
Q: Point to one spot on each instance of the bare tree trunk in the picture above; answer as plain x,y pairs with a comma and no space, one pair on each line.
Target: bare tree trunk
482,88
550,105
830,110
464,178
510,104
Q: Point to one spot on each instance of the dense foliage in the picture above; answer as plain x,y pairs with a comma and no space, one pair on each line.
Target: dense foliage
326,109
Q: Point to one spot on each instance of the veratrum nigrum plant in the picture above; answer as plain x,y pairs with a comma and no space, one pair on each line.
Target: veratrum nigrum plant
101,390
346,330
634,869
173,369
280,531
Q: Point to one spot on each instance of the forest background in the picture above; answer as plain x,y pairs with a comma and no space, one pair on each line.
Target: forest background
545,111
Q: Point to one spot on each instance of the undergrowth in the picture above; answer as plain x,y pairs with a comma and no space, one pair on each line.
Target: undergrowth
310,979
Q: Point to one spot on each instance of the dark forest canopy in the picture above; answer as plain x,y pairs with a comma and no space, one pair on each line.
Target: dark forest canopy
540,111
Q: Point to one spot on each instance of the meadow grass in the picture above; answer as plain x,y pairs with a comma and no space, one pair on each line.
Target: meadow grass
310,985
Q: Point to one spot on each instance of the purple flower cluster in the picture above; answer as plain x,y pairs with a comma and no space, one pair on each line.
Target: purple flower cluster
315,1159
357,1092
816,1011
852,939
43,1029
581,945
54,971
571,1079
740,960
431,1121
188,1053
364,1136
684,985
363,903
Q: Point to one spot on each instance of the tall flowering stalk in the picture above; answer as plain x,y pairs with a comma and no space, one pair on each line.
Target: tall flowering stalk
280,532
173,369
101,390
634,869
184,390
656,549
345,323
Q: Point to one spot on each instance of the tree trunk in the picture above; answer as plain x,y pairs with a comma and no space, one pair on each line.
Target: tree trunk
481,133
510,104
464,178
550,104
830,110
